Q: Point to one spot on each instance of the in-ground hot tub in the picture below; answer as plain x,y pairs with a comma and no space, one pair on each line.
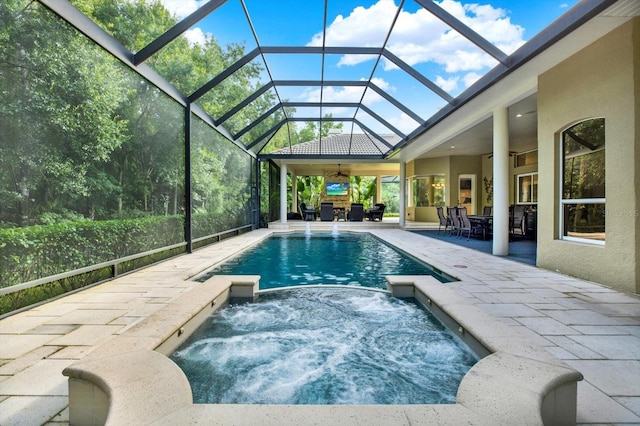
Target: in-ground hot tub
324,345
131,381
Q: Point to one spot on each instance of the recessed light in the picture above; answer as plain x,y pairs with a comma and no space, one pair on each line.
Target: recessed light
518,115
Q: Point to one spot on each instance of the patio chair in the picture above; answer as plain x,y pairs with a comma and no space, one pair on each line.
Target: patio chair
517,220
326,212
465,223
376,212
452,214
444,220
308,213
356,214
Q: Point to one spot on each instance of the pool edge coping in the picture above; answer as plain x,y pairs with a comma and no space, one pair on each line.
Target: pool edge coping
128,379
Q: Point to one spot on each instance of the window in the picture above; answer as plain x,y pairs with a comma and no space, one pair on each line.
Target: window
583,184
428,191
526,158
527,188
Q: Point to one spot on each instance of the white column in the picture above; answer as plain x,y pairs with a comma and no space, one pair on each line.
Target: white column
294,192
500,182
401,198
379,188
283,193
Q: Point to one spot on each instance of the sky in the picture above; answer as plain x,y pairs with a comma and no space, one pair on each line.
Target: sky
418,38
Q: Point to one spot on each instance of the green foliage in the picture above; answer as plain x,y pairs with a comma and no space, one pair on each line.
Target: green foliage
363,190
310,190
34,252
23,298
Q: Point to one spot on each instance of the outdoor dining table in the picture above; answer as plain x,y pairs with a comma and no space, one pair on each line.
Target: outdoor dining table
483,222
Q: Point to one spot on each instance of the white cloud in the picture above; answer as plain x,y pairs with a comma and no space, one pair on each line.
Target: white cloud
403,123
182,8
197,36
471,78
347,93
363,27
420,37
447,84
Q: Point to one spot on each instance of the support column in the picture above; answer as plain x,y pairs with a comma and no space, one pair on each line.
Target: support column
283,193
500,182
294,192
401,196
379,188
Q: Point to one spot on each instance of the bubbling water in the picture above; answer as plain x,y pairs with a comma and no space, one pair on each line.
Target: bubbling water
324,346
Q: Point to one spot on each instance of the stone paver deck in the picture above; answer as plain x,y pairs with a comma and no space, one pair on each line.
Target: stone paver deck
592,328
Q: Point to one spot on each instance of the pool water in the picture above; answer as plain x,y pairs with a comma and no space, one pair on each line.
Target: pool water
324,346
361,259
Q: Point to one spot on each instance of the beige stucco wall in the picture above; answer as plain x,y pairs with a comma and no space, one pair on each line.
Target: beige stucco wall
600,81
428,166
451,167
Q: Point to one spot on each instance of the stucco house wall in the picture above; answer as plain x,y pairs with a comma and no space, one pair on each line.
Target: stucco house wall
429,166
600,81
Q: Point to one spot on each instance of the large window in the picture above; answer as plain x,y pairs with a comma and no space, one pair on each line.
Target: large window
428,191
583,184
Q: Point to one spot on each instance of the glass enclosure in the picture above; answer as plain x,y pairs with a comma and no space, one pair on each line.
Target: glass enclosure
92,155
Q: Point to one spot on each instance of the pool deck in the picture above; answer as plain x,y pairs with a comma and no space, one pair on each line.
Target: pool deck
594,329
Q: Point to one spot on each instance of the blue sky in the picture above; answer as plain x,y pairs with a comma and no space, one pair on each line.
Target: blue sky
418,38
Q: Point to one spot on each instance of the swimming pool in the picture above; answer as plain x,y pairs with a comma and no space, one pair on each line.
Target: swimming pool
346,258
324,346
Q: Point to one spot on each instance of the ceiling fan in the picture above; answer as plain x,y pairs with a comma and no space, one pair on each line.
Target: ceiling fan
339,173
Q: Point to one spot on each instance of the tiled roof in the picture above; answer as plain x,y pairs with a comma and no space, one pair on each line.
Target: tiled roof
342,144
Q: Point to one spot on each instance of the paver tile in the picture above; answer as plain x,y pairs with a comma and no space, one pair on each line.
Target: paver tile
612,347
14,346
632,403
517,297
581,317
595,407
546,306
16,365
603,330
546,326
53,329
509,310
42,378
30,410
560,353
21,324
575,348
89,316
87,335
616,378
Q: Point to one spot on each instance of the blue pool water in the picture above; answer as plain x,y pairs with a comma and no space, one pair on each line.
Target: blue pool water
324,346
360,259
